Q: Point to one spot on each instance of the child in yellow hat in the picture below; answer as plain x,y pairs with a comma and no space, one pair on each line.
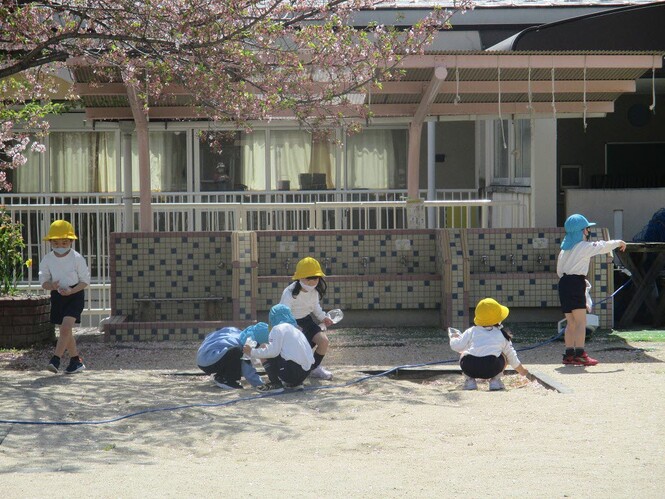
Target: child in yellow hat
486,347
64,272
303,296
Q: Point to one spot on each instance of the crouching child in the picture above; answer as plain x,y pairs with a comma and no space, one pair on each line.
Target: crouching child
486,348
287,357
220,355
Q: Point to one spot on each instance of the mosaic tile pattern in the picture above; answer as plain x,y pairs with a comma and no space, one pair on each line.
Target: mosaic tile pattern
192,283
349,252
518,268
457,268
245,273
181,268
160,331
418,291
520,250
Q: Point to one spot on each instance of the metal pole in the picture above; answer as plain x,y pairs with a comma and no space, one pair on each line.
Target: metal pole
431,173
126,129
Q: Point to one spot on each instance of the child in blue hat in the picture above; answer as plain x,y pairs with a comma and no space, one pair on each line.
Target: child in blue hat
287,356
220,355
572,268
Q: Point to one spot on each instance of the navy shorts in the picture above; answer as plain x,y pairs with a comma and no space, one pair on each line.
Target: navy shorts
280,370
309,328
66,306
228,367
482,367
572,293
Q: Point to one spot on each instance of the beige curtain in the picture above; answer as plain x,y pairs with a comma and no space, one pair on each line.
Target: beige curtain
254,161
82,161
26,177
168,162
371,161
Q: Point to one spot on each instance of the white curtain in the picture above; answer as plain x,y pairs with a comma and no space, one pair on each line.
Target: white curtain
168,162
26,177
290,154
323,160
371,160
82,161
254,161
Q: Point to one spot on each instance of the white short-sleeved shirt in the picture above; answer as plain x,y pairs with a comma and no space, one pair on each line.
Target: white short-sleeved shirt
68,270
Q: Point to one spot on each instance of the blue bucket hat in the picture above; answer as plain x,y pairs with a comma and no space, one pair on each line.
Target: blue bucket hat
574,226
280,314
258,332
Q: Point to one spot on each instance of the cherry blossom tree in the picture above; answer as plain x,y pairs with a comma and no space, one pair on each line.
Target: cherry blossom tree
238,60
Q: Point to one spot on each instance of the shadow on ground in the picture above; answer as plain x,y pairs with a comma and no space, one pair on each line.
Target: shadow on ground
353,346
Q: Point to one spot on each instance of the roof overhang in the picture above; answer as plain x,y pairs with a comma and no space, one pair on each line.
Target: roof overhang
558,69
487,84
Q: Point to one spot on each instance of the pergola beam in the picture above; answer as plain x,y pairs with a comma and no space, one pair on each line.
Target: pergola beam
101,89
381,110
509,87
538,61
415,87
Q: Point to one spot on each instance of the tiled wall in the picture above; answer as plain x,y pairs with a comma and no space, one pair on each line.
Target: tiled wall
171,265
349,252
520,250
447,270
380,292
518,268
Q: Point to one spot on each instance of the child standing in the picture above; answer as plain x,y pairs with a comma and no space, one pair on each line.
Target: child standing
64,272
289,358
220,355
486,347
572,268
303,298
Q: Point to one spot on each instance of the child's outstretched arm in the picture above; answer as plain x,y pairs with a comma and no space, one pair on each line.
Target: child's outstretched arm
523,371
513,360
459,340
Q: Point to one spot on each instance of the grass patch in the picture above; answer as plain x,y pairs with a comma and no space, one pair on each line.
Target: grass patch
646,335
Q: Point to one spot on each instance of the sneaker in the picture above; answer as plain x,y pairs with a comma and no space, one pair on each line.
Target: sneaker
54,364
470,384
293,388
585,360
271,388
321,373
227,384
569,360
75,366
496,384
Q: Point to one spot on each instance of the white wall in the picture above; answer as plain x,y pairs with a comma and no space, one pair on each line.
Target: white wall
638,206
543,173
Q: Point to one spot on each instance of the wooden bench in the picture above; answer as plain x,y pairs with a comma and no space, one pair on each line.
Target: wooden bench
211,311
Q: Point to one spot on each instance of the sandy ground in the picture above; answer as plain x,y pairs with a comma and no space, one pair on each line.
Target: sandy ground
377,437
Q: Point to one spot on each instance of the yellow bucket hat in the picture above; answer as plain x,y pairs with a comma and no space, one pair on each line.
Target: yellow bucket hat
308,267
60,229
490,312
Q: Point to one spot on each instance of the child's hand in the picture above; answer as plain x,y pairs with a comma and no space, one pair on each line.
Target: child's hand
327,322
454,333
622,246
246,349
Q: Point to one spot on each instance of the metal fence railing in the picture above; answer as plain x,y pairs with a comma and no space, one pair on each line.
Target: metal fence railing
95,216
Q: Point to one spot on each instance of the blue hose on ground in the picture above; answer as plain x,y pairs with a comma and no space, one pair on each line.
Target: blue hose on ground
265,395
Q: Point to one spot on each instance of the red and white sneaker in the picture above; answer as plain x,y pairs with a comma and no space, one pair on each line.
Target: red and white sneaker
569,360
579,360
585,360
